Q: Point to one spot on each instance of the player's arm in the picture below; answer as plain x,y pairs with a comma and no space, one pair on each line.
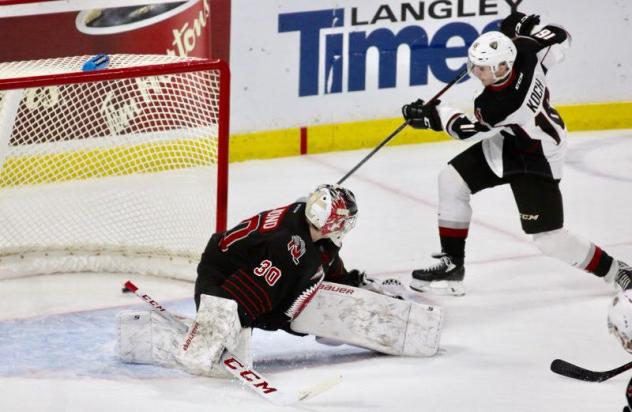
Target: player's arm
521,26
334,267
442,118
549,42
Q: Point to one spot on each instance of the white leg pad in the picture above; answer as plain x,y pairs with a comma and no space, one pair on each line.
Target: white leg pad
215,329
146,338
371,320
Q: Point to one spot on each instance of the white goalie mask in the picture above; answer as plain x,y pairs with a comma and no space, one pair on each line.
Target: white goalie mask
620,319
332,210
492,49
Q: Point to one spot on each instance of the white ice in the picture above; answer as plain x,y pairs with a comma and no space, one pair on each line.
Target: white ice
522,310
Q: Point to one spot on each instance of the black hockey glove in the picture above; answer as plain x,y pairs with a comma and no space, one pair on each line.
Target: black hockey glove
519,24
423,116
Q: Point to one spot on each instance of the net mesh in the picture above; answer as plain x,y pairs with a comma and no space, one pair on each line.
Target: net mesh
123,166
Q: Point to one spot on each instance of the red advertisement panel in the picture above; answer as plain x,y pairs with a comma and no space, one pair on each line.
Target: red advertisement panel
199,28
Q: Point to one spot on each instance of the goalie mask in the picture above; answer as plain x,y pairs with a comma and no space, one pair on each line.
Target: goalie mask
620,319
332,210
492,49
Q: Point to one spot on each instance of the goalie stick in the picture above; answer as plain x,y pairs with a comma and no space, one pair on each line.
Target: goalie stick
561,367
249,377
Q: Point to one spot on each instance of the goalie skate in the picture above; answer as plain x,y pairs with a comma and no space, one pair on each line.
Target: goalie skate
443,278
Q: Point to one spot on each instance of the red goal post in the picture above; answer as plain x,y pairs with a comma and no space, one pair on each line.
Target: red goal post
119,169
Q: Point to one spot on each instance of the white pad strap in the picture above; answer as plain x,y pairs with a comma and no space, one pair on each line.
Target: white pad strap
371,320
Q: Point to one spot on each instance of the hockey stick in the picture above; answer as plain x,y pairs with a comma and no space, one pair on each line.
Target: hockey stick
561,367
401,127
249,377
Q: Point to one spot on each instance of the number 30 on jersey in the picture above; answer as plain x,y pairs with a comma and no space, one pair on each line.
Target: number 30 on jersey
270,273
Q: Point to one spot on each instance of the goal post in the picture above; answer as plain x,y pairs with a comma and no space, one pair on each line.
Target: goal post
123,169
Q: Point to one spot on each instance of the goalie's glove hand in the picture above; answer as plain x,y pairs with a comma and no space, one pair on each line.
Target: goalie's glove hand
519,24
423,116
363,281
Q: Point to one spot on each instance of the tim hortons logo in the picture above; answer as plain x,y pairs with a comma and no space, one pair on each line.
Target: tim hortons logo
248,376
338,289
190,337
296,247
41,97
119,113
184,39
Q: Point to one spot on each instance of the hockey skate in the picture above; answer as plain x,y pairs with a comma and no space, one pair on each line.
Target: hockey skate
623,278
443,278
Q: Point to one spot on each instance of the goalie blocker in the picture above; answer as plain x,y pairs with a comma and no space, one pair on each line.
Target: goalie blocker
371,320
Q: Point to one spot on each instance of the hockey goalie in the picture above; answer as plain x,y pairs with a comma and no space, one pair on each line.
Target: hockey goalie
281,269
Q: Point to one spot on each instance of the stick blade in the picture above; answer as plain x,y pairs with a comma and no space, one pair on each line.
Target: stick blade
561,367
317,389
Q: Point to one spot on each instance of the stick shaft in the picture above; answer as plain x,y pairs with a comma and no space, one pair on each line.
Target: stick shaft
157,306
401,127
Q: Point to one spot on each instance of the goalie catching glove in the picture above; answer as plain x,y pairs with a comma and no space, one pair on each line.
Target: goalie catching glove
389,287
421,115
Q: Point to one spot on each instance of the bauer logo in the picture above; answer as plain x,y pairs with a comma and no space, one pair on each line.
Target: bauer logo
333,43
336,289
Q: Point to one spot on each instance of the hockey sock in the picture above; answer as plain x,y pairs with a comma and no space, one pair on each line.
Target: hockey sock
600,262
575,251
455,213
453,243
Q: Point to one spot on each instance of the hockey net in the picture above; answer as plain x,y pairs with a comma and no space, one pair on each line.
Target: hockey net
122,169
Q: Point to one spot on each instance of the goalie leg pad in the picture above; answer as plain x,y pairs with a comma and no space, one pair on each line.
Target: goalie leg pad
216,328
371,320
145,337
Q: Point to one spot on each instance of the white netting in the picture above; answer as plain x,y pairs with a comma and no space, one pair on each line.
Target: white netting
94,172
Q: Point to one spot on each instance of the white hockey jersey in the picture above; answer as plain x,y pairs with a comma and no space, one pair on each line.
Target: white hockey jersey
521,132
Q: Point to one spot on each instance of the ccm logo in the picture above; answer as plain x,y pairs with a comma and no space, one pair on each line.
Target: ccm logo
338,289
529,217
153,303
249,376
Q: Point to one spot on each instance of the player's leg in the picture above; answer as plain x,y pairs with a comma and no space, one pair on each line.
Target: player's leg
466,174
540,206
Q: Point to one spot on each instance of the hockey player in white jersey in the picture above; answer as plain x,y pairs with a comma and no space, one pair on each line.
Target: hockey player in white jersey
522,143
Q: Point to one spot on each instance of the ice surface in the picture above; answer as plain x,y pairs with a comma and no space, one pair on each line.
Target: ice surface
522,310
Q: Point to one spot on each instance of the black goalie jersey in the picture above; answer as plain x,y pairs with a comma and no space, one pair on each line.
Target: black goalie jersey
522,133
270,266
